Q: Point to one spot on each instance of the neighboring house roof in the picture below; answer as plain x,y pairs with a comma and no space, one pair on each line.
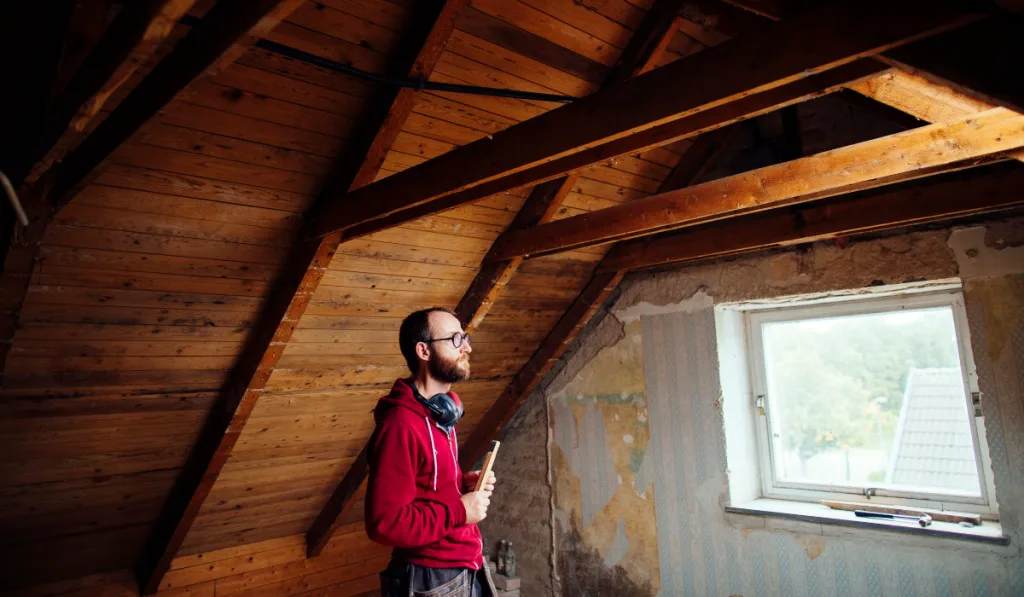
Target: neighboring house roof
933,444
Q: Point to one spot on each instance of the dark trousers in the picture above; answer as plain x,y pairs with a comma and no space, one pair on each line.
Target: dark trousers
402,579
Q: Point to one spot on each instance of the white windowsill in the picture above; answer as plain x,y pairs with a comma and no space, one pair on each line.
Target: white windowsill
988,532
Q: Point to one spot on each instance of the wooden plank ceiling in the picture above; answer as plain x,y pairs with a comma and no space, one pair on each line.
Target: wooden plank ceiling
147,286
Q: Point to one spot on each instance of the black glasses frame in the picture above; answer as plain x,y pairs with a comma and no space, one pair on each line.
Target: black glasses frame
462,337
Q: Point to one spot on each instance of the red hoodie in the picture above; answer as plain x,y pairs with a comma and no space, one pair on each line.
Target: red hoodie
413,496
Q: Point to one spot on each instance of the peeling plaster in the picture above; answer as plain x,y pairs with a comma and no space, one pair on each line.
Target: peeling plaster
977,258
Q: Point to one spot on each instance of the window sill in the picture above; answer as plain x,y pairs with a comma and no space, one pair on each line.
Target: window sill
988,532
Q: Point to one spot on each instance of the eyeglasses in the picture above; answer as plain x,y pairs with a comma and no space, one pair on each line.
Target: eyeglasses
457,339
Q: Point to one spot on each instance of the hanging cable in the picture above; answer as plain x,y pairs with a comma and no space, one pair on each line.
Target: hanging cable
338,67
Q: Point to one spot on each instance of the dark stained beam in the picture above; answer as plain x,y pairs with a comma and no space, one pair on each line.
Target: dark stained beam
957,195
645,49
368,157
216,41
943,147
684,128
819,40
213,43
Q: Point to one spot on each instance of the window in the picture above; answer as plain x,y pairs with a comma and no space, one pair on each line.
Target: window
869,398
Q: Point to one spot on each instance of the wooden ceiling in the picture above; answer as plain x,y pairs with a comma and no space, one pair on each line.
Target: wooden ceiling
224,238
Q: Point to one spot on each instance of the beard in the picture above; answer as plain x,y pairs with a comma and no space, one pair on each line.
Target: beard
448,370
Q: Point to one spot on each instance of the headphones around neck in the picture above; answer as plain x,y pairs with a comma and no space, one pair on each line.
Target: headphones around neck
442,407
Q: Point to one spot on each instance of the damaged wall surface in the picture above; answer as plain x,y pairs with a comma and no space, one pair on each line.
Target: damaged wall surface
637,453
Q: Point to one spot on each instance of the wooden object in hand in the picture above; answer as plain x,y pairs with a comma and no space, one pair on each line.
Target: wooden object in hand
488,465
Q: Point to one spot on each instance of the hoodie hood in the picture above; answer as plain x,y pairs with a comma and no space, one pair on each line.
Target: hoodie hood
401,396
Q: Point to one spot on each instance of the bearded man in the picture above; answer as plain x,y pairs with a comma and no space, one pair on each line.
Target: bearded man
418,500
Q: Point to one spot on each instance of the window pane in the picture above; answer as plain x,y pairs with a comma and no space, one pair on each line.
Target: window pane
873,400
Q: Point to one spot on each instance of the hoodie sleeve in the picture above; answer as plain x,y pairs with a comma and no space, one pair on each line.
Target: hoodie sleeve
394,516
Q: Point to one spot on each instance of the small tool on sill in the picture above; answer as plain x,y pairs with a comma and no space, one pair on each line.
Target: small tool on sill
924,520
936,515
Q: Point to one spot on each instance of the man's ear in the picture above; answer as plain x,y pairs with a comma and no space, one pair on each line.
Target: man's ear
422,351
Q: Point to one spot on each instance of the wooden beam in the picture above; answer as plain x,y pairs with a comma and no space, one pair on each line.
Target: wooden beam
922,98
213,43
693,163
684,128
137,31
823,39
951,196
982,61
369,156
645,49
541,206
221,37
579,313
911,154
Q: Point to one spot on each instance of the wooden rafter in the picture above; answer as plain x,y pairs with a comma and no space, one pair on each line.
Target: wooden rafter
135,34
933,149
370,157
684,128
214,43
981,60
645,49
692,165
820,40
922,99
540,206
952,196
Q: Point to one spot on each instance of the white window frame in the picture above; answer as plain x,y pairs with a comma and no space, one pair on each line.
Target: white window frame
755,316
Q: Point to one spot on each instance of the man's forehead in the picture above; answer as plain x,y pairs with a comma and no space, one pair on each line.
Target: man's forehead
444,323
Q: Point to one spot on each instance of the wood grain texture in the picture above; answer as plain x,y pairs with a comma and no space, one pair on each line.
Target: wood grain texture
126,45
647,140
982,190
904,156
210,47
801,45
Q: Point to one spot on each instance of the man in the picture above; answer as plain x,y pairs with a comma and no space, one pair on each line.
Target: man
418,500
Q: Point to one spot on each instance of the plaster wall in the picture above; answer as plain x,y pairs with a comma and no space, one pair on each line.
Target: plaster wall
637,453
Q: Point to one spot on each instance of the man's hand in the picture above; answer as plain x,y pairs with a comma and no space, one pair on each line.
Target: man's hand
476,503
470,480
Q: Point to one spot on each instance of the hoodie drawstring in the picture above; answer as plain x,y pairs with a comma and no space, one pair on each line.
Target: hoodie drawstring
430,433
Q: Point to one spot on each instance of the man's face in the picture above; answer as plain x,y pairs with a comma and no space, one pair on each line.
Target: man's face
447,364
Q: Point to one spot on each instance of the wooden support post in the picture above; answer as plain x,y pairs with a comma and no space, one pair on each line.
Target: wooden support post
969,141
951,196
823,39
369,157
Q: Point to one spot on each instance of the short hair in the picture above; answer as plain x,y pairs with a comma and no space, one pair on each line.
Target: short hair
415,329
